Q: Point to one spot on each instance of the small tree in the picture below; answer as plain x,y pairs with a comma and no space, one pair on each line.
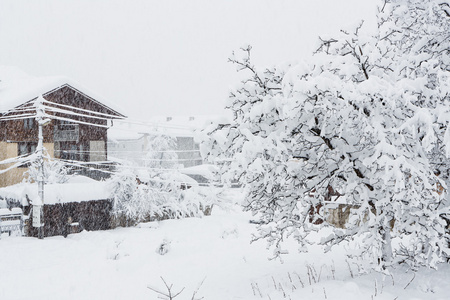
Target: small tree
54,171
161,152
124,188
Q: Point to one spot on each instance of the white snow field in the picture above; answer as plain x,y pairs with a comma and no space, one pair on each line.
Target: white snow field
214,252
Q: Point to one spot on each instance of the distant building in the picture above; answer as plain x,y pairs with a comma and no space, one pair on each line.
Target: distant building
78,131
129,141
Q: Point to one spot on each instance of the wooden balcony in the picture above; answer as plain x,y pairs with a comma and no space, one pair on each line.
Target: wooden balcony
66,133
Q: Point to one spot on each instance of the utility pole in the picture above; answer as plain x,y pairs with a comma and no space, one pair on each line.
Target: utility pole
38,208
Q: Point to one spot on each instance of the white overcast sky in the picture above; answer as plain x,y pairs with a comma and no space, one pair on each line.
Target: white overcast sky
164,57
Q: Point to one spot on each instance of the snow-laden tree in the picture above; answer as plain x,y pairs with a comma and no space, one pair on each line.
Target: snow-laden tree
365,119
54,171
161,152
138,198
148,195
124,188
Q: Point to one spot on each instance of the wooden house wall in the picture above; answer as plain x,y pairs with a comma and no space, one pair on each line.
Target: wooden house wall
87,133
15,131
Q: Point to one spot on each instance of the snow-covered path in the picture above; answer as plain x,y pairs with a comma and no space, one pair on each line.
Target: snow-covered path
215,250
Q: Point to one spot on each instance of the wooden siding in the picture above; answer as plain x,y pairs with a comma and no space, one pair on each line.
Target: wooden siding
15,131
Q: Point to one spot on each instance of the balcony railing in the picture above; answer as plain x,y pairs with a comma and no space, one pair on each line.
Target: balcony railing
66,133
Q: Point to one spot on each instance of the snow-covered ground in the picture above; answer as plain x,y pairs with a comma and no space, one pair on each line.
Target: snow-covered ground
214,252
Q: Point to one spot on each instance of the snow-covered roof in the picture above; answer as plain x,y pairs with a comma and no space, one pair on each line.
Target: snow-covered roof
123,130
178,177
205,170
18,87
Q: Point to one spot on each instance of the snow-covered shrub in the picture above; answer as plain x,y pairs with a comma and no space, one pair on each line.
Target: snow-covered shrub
54,172
125,193
152,195
366,118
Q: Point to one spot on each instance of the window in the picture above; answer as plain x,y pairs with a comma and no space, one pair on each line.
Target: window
26,148
28,123
74,153
69,151
84,152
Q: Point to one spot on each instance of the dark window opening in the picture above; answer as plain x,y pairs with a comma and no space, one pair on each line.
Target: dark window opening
84,152
26,148
28,123
69,151
74,151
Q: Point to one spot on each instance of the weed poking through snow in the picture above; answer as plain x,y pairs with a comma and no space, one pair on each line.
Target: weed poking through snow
170,294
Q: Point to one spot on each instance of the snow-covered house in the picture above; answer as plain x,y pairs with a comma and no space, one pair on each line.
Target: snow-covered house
131,141
77,130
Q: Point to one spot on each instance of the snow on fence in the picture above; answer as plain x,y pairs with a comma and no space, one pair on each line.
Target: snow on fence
11,221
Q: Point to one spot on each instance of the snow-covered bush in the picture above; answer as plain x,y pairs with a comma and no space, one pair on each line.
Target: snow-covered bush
54,172
124,191
367,119
155,195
